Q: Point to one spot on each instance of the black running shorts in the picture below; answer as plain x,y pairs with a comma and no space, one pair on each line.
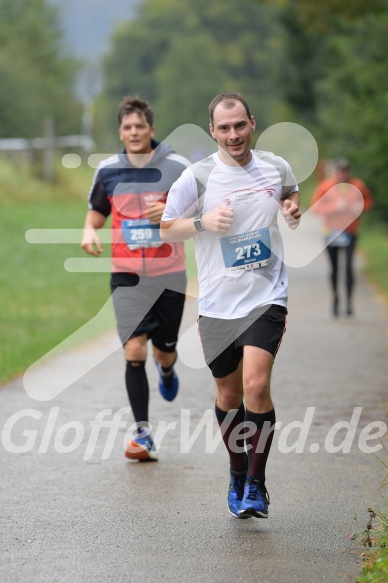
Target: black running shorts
149,305
223,340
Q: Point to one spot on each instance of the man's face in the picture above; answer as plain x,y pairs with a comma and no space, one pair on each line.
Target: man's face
136,134
232,129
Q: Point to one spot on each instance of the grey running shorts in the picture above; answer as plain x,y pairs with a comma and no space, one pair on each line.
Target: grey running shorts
149,305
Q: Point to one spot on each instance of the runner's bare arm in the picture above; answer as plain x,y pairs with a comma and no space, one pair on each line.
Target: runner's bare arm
90,240
218,220
177,230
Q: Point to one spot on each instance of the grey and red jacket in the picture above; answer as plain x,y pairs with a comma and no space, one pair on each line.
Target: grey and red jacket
121,189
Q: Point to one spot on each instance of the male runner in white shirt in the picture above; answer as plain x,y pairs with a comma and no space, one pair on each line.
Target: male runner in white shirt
229,203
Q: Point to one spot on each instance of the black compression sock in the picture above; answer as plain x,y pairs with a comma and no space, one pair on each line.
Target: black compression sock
260,442
138,390
237,455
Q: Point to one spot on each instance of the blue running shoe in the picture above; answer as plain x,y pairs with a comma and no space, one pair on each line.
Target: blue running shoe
168,383
141,448
255,501
236,492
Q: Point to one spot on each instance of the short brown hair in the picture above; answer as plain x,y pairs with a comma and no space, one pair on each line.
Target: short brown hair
229,100
134,104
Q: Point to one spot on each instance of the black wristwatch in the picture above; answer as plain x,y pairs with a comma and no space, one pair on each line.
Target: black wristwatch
198,224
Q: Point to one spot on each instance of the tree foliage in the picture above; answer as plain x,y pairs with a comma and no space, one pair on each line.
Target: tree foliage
335,57
353,101
37,80
179,54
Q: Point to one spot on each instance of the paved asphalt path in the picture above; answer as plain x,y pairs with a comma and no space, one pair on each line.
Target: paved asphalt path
69,519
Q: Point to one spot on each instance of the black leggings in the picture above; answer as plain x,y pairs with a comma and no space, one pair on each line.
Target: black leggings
334,257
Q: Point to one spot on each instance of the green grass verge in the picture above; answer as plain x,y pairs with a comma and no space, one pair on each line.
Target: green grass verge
375,567
374,244
375,536
43,304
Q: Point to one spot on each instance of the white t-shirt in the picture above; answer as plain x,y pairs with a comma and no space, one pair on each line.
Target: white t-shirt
244,269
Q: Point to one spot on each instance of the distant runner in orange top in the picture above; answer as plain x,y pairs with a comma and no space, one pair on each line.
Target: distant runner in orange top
340,209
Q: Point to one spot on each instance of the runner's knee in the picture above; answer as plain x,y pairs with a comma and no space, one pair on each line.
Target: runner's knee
257,388
136,349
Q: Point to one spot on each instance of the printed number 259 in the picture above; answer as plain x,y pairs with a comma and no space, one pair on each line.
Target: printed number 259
140,234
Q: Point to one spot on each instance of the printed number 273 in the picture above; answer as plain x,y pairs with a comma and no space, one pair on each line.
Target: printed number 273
248,250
